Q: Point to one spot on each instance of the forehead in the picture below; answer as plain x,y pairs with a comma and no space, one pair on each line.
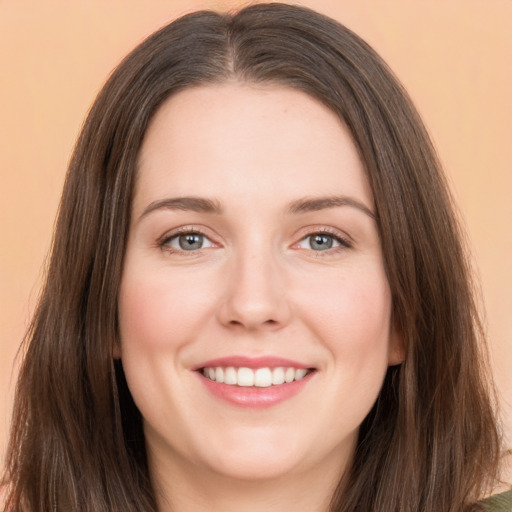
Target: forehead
244,139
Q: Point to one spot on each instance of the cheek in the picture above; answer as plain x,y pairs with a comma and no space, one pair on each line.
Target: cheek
160,313
352,319
158,310
351,313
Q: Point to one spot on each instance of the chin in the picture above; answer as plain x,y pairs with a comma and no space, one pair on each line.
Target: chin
255,458
255,470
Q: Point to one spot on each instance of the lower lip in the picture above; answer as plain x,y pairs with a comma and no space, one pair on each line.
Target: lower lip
255,396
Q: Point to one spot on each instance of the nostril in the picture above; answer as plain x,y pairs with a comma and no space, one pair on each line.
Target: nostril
270,322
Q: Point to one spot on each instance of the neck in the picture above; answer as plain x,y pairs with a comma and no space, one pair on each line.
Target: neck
185,487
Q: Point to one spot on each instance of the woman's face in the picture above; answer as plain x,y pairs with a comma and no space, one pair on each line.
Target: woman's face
253,258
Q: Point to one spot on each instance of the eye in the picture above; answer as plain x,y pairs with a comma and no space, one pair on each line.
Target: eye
189,241
322,242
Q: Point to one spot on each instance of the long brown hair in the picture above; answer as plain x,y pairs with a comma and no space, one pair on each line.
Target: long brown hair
431,441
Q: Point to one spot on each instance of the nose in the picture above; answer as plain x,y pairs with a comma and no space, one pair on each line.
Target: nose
255,296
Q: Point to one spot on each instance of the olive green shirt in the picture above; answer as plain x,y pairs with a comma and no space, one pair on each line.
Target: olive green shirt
499,502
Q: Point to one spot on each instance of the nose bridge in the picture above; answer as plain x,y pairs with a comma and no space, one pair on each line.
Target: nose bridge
255,295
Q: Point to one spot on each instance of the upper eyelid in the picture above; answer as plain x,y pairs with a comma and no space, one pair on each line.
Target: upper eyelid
342,242
183,230
327,230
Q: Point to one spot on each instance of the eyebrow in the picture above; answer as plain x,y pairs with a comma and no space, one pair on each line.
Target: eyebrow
303,205
195,204
314,204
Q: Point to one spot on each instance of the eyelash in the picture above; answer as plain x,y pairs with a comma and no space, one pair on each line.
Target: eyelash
187,230
343,243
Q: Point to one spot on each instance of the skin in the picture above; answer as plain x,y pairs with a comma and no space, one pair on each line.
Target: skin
257,287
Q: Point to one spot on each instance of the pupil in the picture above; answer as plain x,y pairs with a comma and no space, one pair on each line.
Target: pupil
191,241
321,242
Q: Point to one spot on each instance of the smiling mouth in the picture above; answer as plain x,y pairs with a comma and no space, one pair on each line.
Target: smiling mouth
258,377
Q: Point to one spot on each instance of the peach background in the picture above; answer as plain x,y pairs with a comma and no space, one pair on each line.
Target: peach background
454,57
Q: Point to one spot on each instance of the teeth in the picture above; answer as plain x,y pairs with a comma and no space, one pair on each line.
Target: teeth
261,377
278,376
300,373
245,377
230,376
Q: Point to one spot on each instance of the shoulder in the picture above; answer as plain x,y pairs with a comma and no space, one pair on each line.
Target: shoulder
499,502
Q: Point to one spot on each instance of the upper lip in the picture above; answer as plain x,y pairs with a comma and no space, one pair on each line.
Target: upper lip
251,362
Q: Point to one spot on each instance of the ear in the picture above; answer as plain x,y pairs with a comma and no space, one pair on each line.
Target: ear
397,349
116,350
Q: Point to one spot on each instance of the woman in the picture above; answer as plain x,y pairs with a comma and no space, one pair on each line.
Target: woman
257,297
